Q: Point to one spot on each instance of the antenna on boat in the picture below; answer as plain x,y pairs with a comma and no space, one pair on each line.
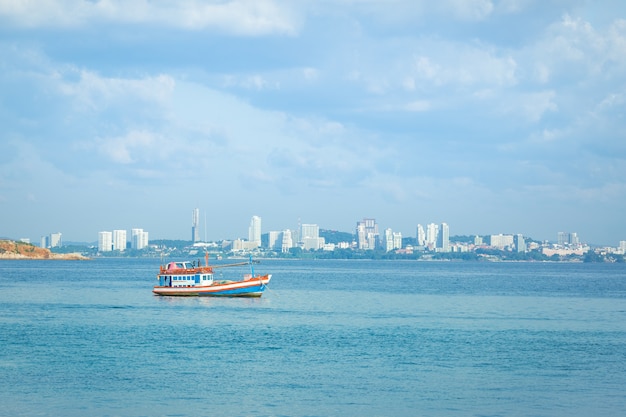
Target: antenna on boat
251,266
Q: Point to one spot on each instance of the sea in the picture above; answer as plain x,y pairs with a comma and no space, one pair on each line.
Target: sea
328,338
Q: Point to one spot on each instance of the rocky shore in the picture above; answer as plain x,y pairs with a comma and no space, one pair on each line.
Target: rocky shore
10,249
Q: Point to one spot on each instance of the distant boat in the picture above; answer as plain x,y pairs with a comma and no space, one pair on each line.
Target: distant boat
192,279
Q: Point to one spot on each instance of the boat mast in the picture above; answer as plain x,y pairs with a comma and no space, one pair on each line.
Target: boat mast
251,266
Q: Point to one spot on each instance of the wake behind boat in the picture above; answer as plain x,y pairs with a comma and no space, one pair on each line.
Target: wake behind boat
192,279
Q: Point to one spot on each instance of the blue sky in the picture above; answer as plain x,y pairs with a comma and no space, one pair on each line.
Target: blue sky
493,116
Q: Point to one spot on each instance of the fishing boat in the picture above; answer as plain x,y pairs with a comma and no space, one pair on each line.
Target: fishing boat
193,279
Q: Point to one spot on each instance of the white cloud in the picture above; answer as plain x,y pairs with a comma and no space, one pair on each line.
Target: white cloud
455,64
542,73
548,135
468,9
573,48
512,6
616,40
367,89
418,106
95,92
532,106
125,149
240,17
424,68
310,74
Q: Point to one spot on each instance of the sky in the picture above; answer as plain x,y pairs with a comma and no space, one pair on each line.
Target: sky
492,116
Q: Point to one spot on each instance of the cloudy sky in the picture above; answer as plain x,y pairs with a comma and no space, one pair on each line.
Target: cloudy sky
492,116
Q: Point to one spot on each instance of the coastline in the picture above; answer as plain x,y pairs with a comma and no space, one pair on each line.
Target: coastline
12,250
53,257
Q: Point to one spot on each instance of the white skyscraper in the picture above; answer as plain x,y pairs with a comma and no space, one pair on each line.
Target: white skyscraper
55,240
443,240
138,239
195,225
105,241
388,240
274,240
367,233
397,240
432,231
421,235
520,243
501,241
254,231
310,237
287,243
119,240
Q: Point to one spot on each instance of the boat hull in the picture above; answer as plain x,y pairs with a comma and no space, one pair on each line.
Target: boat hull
248,288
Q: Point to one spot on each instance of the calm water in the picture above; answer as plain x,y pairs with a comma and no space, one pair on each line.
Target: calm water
330,338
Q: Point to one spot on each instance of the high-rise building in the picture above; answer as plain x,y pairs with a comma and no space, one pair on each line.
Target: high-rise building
501,241
287,243
310,230
520,243
421,235
443,239
274,240
397,240
119,240
367,234
195,225
565,238
432,231
105,241
55,240
360,235
310,237
254,231
138,239
388,241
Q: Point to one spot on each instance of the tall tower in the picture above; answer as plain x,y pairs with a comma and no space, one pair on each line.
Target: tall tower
367,233
310,237
388,240
287,242
119,240
55,240
443,240
138,239
520,243
195,225
432,231
421,235
254,231
105,241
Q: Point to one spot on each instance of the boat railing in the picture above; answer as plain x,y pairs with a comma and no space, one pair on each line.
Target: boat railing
186,271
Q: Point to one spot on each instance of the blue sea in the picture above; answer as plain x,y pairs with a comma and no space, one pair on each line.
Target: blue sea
328,338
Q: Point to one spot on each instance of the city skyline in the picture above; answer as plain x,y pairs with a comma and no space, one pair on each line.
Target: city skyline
433,238
493,116
366,235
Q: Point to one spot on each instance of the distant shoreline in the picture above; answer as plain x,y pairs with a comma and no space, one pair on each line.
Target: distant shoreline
12,250
53,257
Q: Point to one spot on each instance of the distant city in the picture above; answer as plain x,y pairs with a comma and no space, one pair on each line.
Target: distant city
429,239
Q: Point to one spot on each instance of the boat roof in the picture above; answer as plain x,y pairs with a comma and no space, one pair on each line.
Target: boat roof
179,265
